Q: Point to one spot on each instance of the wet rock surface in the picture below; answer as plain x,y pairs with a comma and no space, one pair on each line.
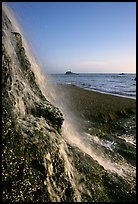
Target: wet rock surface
24,143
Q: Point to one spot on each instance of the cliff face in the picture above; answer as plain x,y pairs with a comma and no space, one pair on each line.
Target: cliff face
31,125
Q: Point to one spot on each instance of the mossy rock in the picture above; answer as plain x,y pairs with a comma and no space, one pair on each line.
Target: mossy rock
102,133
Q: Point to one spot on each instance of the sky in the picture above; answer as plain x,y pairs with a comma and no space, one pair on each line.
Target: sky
83,37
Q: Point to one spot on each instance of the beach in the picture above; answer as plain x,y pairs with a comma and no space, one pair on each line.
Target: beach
112,118
92,105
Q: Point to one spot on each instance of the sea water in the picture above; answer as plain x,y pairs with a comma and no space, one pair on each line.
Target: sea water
112,83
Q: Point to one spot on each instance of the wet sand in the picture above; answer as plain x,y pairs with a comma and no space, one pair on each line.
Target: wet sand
103,115
91,105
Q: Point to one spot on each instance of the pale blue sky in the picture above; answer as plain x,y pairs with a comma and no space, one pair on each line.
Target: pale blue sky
80,36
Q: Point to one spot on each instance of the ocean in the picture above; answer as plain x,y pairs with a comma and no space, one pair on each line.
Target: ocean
116,84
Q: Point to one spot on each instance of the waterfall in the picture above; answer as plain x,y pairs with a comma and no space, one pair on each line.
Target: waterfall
63,149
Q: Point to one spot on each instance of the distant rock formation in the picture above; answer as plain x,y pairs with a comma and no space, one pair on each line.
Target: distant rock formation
69,72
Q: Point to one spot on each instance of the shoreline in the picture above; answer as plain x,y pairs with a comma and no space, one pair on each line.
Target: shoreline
110,118
103,92
98,91
96,84
92,104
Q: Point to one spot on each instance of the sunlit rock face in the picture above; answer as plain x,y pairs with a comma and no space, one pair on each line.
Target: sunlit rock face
39,159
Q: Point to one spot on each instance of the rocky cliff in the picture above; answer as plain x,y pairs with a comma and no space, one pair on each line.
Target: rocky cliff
31,125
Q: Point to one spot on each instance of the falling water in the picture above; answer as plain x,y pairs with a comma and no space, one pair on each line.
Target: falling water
25,98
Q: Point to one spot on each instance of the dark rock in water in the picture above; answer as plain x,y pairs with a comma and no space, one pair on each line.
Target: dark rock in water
38,165
69,72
